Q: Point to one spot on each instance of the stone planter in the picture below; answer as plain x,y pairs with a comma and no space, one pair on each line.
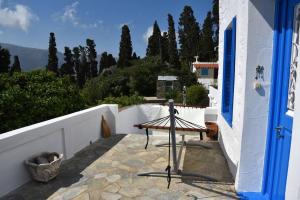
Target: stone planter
44,167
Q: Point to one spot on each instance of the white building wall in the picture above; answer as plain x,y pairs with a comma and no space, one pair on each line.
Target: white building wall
213,96
260,52
67,134
230,137
244,142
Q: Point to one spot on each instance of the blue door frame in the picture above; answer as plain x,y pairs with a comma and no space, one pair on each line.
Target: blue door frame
272,182
278,143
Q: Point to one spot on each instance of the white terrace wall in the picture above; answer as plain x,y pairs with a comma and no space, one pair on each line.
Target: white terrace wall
147,112
67,134
244,142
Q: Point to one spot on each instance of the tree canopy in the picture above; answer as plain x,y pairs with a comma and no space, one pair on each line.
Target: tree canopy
154,41
52,57
173,51
4,60
92,58
106,61
206,40
68,67
189,32
125,51
16,67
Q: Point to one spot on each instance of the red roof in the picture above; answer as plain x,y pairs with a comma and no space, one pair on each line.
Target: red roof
206,65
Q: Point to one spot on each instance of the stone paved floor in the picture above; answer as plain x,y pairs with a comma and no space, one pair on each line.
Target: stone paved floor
108,170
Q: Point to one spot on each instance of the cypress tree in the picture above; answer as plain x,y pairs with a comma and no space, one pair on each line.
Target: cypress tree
106,61
207,41
68,67
173,52
103,64
92,58
154,41
111,60
134,56
125,47
52,57
188,35
4,60
77,66
164,46
84,66
215,19
16,67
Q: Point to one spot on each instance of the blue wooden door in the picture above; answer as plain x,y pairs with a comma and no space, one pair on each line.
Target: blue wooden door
284,96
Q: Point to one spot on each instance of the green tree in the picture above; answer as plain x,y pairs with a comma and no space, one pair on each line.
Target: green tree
84,66
77,65
207,44
92,58
52,57
173,52
164,46
111,60
134,56
125,47
106,61
154,40
103,64
4,60
16,67
215,19
188,35
31,97
197,95
68,67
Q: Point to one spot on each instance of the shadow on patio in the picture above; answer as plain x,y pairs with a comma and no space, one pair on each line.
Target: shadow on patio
108,169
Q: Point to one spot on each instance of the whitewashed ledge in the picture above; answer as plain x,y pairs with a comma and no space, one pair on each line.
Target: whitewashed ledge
70,133
67,134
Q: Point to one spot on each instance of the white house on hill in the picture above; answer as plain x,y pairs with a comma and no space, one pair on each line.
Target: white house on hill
259,96
206,72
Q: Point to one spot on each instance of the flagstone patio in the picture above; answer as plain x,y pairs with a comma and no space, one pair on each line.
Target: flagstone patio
108,170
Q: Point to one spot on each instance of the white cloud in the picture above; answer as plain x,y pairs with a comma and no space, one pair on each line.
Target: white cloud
70,15
147,34
19,17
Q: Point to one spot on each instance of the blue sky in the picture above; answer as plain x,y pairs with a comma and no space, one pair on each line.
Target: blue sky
28,22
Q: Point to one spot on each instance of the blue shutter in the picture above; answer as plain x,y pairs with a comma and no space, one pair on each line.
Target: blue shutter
228,72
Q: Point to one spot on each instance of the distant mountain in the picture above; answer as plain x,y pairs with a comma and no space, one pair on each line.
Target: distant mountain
30,58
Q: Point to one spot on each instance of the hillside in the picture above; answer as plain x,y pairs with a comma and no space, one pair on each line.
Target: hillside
30,58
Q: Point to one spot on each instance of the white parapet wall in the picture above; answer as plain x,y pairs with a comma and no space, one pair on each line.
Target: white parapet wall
67,134
147,112
71,133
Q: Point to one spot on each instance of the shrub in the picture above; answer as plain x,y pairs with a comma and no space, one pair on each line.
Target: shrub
197,95
175,95
32,97
186,77
123,100
140,78
98,88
